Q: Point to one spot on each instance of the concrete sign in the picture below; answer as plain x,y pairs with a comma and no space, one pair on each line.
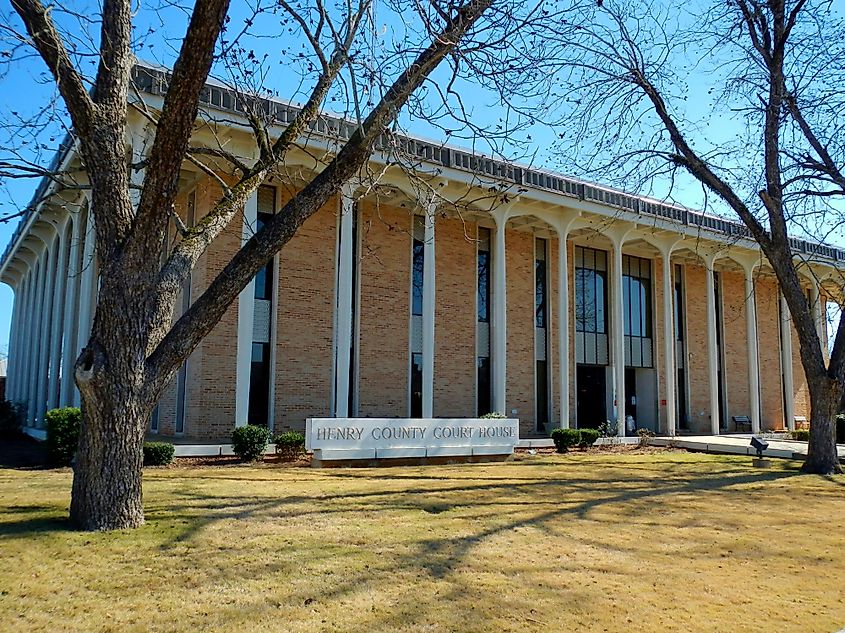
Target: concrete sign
380,438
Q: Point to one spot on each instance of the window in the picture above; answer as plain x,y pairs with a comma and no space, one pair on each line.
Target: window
636,307
484,395
679,303
417,289
416,385
259,384
591,344
483,286
636,291
264,277
540,315
590,290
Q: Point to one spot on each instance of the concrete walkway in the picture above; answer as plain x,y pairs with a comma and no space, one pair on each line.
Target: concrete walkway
739,444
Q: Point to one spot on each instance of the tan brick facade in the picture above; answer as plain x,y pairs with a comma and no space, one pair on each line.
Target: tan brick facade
304,321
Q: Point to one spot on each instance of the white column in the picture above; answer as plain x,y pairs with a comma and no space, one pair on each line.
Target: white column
753,357
563,321
670,369
71,315
26,342
86,284
786,364
618,337
500,308
246,314
12,364
36,342
712,346
46,342
59,294
428,313
345,286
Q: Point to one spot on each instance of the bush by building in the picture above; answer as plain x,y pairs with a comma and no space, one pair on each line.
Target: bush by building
588,437
565,439
62,434
290,446
250,442
158,453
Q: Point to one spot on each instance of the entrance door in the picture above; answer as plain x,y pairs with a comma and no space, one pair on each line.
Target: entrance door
592,396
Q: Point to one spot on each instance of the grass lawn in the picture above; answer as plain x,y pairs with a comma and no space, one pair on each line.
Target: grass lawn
606,542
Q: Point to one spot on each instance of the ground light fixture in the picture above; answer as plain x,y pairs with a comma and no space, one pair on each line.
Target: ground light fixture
760,446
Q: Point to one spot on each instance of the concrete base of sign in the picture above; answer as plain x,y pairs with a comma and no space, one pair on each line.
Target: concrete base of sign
407,461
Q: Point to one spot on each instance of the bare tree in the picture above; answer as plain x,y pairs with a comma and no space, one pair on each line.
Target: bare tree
135,347
641,93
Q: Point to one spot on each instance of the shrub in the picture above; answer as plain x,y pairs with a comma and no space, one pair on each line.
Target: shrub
289,446
494,416
158,453
62,434
645,436
589,437
250,442
10,418
564,439
802,435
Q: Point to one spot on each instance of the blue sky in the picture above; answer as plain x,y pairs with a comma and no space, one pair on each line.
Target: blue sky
25,88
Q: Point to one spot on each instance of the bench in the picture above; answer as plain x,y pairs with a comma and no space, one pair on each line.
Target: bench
742,421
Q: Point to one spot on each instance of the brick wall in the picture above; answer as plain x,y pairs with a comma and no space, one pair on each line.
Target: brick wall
455,318
734,345
304,322
520,301
696,346
769,353
385,311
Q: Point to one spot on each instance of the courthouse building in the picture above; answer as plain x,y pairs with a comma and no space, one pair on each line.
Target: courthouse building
458,288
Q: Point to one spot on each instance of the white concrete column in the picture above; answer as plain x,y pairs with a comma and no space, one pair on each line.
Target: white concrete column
345,286
246,315
712,345
14,351
786,364
71,315
671,369
563,291
46,327
87,291
428,317
618,337
500,316
36,342
59,295
751,340
26,342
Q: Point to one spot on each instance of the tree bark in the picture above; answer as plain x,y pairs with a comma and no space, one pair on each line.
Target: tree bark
825,396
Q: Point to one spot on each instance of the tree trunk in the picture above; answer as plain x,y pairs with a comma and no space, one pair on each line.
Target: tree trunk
825,395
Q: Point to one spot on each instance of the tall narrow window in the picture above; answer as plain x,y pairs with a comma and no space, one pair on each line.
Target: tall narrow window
484,404
541,319
680,349
417,276
591,345
260,373
636,299
722,412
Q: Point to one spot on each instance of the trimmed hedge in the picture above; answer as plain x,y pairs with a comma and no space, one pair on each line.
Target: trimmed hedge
565,439
290,446
494,416
62,434
158,453
588,437
250,442
802,435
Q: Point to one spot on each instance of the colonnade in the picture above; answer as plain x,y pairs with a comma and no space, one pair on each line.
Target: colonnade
618,233
55,297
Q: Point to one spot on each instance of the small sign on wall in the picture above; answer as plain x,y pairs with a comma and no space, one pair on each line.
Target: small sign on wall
383,438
